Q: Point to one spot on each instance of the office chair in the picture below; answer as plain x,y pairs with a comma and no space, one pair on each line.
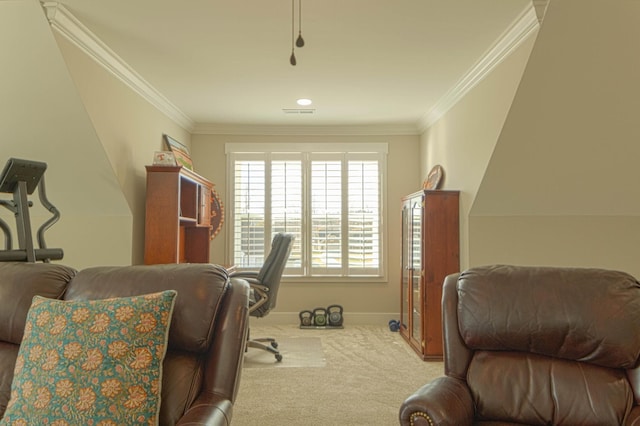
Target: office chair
264,287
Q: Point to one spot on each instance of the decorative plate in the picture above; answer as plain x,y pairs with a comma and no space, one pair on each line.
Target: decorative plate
434,178
217,213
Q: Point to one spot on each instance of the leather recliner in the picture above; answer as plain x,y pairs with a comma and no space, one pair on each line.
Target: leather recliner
207,336
535,346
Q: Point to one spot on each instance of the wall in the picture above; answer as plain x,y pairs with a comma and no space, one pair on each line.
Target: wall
129,128
463,140
562,185
42,118
362,302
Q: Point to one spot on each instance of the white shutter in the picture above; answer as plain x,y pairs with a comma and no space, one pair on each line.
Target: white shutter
286,205
364,216
249,214
326,217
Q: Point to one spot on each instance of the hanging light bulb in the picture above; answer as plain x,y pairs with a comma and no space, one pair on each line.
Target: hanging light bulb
300,40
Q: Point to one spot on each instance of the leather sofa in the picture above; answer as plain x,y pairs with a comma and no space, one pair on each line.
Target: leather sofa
535,346
207,335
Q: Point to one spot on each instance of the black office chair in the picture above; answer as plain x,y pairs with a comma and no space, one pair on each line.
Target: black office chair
264,287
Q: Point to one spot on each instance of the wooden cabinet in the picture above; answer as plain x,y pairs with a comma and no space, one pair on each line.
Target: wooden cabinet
430,252
178,216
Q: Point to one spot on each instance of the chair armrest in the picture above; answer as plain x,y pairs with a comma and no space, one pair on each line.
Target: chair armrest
260,294
445,401
209,409
243,274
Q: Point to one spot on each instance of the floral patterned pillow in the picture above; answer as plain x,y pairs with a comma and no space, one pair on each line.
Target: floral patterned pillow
94,362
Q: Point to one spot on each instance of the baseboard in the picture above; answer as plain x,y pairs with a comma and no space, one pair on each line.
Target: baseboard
350,318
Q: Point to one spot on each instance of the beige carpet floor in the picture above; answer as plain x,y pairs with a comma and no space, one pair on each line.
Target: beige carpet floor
354,376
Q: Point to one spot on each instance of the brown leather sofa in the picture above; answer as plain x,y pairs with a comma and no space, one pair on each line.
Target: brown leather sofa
207,336
535,346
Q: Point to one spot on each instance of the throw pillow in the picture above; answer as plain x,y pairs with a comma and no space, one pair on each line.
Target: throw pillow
94,362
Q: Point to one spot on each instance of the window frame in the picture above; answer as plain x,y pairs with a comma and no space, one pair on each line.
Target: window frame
307,153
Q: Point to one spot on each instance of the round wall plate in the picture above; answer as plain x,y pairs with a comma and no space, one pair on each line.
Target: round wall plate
434,178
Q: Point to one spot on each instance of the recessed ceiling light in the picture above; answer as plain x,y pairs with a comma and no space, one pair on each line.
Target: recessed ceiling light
304,102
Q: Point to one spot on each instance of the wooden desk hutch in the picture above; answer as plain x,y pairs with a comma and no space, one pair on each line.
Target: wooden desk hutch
430,252
178,216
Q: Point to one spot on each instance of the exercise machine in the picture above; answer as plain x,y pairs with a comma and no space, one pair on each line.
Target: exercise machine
21,178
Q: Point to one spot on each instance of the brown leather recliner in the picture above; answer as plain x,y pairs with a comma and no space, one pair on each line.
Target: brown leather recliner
207,336
535,346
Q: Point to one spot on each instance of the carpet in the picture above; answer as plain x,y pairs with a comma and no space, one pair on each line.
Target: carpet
368,371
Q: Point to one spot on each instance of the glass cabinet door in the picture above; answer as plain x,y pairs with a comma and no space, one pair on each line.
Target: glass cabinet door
416,267
406,263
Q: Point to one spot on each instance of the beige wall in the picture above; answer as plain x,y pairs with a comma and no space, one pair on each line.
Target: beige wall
42,118
357,298
562,185
129,128
463,140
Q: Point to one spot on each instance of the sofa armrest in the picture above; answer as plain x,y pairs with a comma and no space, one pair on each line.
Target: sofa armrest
209,409
445,401
224,360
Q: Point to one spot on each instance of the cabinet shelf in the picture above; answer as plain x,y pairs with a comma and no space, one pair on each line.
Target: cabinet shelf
430,252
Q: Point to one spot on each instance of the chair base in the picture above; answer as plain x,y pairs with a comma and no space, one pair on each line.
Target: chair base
272,346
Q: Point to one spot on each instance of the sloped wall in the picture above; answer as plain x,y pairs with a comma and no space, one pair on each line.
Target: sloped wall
463,140
129,128
562,185
42,118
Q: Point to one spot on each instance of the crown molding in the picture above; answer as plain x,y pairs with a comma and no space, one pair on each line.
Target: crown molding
303,130
540,7
63,21
519,31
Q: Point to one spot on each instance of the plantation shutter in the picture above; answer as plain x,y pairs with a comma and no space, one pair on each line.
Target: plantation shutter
249,213
329,197
364,217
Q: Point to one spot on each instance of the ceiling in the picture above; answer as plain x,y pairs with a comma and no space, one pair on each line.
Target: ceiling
365,62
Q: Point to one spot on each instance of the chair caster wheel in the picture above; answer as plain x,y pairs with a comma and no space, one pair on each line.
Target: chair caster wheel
274,345
279,358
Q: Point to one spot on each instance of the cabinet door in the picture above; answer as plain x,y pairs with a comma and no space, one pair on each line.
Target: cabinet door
406,264
416,269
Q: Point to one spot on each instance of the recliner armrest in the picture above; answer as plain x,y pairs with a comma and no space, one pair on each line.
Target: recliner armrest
208,409
445,401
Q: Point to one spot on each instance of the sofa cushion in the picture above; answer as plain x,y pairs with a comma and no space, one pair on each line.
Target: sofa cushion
539,390
22,281
91,362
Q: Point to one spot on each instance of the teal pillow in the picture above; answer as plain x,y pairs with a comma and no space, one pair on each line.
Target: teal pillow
95,362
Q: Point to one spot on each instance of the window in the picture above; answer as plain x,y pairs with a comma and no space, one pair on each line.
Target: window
329,199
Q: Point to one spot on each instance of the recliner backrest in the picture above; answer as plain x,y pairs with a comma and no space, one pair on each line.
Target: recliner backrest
201,289
536,344
273,267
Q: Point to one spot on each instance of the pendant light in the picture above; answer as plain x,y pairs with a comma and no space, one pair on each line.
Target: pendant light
300,40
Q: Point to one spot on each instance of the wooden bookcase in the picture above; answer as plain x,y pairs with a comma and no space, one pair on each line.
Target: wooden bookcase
178,216
430,252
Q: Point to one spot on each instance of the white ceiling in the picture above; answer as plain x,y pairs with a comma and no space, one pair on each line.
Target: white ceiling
365,62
